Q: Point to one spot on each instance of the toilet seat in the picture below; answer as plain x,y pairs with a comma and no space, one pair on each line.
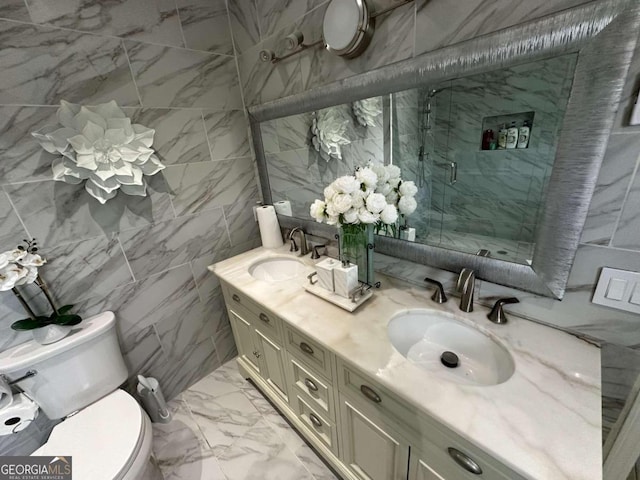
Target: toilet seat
108,440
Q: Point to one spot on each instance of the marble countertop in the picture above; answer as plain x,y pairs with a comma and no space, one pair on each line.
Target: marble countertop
544,422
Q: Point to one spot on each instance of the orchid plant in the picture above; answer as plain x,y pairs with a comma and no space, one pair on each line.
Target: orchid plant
19,267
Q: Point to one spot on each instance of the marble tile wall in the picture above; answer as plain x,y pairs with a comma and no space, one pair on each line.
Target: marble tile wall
171,65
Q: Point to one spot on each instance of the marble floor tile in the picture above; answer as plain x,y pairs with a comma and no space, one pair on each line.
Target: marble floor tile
224,429
223,419
260,455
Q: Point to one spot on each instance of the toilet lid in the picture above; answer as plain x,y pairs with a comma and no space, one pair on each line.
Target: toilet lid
102,438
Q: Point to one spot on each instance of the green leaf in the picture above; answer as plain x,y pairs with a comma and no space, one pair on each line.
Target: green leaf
30,324
68,320
64,309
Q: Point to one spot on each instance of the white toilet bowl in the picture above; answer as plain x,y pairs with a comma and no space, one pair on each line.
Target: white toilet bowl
108,440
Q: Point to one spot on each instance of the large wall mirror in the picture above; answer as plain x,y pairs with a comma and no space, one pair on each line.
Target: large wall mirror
503,136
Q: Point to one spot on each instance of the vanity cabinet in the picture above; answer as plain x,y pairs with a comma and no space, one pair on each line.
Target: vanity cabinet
257,335
360,427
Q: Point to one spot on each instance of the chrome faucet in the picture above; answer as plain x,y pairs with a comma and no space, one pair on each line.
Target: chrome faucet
304,248
466,285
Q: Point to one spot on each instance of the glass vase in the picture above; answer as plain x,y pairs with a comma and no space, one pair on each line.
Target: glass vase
356,246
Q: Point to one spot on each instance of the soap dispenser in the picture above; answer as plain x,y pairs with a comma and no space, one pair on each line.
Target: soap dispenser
345,278
524,133
512,136
502,137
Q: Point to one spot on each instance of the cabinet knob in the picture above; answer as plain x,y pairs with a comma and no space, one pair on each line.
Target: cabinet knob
236,298
370,394
264,318
465,461
256,354
310,384
315,420
306,348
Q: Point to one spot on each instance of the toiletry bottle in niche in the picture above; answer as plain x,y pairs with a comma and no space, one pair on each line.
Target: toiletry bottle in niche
524,133
487,139
502,137
512,135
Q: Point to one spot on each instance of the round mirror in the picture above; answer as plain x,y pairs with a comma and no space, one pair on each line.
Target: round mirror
347,27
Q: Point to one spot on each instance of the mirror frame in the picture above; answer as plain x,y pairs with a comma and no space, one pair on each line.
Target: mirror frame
602,33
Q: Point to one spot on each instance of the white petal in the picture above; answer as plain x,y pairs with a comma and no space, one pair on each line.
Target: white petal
109,110
121,123
104,172
93,131
134,179
66,113
98,193
144,134
81,144
138,190
108,184
87,161
117,136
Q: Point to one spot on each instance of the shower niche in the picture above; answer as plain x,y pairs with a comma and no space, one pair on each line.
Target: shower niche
507,131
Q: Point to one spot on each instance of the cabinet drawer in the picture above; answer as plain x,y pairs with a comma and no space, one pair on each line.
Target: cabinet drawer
318,392
366,392
263,319
308,351
322,429
454,461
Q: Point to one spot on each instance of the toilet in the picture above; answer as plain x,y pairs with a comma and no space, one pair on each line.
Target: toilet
105,430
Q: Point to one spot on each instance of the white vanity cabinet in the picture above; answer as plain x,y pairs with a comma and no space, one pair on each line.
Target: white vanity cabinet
360,427
258,338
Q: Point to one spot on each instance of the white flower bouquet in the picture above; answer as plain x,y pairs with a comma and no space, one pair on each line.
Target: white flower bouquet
375,195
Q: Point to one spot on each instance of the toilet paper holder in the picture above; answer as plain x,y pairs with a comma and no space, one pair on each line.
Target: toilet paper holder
29,374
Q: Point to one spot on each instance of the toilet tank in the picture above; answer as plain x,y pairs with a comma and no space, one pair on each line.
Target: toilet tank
72,373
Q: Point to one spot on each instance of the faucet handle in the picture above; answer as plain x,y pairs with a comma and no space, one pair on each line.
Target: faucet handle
438,295
315,254
497,315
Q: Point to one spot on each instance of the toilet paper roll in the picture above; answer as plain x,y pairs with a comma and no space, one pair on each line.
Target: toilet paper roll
269,227
18,415
283,207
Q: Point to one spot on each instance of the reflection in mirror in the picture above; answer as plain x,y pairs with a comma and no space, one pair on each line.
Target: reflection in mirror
480,148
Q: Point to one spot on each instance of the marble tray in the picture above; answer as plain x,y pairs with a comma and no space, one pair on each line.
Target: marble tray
345,303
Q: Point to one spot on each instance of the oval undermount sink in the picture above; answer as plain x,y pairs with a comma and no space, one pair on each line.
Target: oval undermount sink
277,269
444,345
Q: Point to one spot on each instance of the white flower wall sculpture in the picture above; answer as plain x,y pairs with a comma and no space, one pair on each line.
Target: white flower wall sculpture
99,146
329,130
367,110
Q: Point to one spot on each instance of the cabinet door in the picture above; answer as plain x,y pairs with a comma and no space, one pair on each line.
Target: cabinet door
371,451
419,470
245,340
272,365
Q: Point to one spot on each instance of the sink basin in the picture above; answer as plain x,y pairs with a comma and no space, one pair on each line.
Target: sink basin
277,269
473,358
